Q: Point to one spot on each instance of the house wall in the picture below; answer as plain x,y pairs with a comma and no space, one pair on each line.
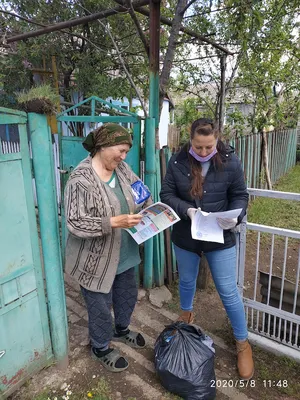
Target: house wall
245,109
164,124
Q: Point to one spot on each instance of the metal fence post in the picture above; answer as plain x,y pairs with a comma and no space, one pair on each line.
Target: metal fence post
48,217
133,157
150,175
241,256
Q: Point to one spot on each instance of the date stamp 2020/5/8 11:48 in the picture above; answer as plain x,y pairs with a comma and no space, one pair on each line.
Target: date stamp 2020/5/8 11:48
240,383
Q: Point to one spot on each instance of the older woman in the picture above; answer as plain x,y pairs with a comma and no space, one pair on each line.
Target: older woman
207,174
99,254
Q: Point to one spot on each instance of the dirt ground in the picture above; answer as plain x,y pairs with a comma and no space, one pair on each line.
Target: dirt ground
85,378
265,258
282,266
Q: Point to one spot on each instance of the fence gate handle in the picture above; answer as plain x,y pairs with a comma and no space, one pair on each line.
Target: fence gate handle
65,171
2,353
62,171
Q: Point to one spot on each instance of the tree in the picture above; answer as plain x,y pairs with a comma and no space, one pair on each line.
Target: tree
86,57
86,52
187,112
265,67
263,36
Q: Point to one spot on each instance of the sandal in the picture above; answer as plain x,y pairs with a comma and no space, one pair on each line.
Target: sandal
109,360
132,339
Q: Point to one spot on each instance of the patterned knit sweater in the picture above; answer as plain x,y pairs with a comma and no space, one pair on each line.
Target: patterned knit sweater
93,247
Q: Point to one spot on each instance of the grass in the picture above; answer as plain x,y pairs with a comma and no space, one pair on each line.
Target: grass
100,391
278,369
170,396
42,396
42,98
174,304
275,212
38,92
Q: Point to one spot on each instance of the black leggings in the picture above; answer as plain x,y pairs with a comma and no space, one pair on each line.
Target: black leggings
122,296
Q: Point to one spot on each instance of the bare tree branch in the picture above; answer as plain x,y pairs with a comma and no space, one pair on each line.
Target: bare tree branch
126,70
202,99
138,27
30,21
187,6
122,62
222,94
234,71
166,21
169,57
20,17
74,22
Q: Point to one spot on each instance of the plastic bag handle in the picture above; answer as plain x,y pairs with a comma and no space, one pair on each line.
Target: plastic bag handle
180,325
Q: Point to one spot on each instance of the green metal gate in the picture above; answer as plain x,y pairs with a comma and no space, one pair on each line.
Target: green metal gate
71,149
25,344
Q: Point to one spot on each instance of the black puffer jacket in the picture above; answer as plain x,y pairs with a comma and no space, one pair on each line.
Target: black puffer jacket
223,189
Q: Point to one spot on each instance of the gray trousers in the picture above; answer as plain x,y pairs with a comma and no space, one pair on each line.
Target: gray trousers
122,297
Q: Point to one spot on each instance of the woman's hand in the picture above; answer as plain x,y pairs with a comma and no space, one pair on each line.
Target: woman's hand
125,220
191,212
227,223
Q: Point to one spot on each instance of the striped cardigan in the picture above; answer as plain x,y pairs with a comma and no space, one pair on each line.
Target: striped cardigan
93,247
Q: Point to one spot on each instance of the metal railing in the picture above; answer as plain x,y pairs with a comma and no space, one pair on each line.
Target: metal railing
268,277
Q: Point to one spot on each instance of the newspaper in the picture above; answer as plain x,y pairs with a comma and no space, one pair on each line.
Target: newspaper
205,225
156,218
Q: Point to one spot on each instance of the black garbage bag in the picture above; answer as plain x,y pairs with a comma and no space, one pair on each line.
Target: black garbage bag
184,361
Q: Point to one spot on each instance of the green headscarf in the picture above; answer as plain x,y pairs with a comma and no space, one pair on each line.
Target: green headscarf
105,136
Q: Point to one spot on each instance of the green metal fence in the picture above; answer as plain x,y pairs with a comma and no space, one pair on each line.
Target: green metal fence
281,152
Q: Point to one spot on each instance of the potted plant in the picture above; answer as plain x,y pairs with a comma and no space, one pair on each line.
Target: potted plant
39,99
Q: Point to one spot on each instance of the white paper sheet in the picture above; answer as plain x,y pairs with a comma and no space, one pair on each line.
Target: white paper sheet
205,226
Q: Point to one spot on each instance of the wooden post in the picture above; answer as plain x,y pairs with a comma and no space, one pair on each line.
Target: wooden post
265,159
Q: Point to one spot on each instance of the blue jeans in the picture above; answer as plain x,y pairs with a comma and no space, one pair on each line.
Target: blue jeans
222,264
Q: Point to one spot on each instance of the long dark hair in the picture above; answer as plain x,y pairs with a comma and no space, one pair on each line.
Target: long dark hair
205,127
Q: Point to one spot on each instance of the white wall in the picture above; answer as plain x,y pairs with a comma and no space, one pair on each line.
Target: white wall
163,124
